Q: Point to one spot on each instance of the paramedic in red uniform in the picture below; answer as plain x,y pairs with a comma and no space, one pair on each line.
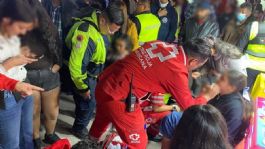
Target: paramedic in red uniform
156,67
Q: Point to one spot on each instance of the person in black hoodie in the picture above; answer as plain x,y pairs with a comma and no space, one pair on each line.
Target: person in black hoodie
168,17
44,44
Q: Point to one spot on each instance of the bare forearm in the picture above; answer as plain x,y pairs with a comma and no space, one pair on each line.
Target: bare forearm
162,108
7,65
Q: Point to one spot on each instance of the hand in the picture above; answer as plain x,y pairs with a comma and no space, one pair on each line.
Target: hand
176,108
86,95
162,12
26,89
195,75
55,68
17,61
211,91
25,50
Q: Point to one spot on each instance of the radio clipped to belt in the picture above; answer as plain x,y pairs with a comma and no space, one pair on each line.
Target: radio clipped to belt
131,99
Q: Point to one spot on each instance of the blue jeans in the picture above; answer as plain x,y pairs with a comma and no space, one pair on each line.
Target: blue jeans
16,128
84,107
169,123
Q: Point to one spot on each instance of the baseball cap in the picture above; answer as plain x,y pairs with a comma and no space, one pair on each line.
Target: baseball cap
204,5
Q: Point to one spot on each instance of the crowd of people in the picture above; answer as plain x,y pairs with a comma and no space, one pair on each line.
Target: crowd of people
170,71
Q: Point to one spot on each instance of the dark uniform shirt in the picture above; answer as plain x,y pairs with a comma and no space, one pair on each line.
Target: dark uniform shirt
231,108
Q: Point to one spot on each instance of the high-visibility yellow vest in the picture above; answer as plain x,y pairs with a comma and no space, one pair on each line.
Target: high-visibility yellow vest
256,48
84,38
150,25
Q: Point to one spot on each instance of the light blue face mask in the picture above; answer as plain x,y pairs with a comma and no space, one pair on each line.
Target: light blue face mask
241,17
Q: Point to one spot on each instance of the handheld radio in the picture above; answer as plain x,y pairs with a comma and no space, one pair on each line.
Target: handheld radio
131,99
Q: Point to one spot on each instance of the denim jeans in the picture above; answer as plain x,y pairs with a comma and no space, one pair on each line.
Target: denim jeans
16,128
84,107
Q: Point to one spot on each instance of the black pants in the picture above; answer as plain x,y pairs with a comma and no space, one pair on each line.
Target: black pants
84,107
67,83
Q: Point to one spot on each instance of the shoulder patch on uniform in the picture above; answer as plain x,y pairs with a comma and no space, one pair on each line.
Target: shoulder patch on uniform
83,27
80,38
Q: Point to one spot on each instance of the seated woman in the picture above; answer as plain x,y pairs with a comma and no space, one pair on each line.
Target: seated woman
200,127
225,57
230,103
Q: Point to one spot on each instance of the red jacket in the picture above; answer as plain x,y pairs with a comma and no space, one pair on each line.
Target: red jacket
156,67
7,83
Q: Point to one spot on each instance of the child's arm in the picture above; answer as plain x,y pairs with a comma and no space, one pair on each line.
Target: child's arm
164,108
159,101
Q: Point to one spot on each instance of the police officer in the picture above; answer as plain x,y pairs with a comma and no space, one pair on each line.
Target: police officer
168,17
255,51
88,54
147,24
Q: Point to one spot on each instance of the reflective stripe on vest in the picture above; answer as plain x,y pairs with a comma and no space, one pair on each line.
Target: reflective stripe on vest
150,25
256,46
256,63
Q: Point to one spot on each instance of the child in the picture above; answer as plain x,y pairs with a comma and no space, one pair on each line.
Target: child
236,110
121,47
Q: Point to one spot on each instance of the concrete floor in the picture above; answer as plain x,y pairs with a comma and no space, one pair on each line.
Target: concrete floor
66,119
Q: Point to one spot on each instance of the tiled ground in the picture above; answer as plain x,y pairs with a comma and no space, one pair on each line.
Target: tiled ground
66,120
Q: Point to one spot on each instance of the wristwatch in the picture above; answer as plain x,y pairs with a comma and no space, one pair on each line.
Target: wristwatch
175,108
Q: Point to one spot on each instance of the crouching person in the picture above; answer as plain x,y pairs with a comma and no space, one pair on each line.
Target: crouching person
88,55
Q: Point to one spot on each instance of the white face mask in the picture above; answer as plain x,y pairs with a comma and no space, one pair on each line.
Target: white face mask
163,5
110,32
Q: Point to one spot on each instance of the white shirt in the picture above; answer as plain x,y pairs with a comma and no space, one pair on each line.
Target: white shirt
10,47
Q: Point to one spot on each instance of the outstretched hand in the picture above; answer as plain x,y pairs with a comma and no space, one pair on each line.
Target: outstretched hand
26,89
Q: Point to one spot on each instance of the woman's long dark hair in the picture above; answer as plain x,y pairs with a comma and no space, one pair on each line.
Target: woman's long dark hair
46,31
201,127
16,10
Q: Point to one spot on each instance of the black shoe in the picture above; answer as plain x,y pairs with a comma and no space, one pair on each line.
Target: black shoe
51,138
37,143
157,138
87,144
83,134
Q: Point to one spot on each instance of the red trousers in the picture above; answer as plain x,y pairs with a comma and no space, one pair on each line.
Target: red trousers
130,126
